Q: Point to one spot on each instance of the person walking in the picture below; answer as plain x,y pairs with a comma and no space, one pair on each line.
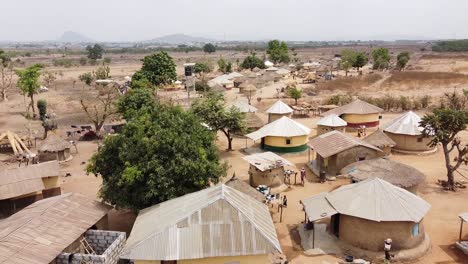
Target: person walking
303,175
285,202
387,248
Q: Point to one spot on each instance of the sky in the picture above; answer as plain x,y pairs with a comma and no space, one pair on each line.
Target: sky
315,20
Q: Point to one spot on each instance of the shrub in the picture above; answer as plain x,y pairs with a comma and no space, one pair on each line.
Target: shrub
107,60
63,62
425,101
83,61
42,107
405,103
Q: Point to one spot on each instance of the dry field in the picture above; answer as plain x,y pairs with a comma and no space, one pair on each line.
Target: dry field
435,75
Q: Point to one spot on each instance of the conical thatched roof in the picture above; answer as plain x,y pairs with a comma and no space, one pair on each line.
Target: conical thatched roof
250,88
332,121
253,121
54,143
356,107
380,139
393,172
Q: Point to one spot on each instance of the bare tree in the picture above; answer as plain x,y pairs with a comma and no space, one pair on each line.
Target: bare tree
6,79
98,103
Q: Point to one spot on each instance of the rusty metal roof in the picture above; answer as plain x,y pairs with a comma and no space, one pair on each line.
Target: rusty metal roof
24,180
218,221
334,142
356,107
40,232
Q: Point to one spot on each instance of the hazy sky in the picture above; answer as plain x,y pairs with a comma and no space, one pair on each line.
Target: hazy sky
132,20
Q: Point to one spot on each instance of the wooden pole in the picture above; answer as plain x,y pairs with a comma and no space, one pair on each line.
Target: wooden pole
281,214
313,236
461,230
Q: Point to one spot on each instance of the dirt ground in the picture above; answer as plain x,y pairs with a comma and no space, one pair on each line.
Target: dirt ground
441,223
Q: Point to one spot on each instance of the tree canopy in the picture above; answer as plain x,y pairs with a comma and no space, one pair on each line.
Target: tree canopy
161,154
295,93
278,51
158,69
252,61
135,102
224,66
381,58
211,111
351,58
209,48
202,67
402,60
94,52
28,82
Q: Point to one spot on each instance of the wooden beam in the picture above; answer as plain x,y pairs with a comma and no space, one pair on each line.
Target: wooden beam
12,143
461,230
21,143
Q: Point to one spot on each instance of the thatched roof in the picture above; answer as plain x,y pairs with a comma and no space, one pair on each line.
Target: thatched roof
54,143
252,120
335,142
356,107
244,187
393,172
250,88
380,139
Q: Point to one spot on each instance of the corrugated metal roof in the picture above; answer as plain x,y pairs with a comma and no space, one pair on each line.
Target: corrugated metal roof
40,232
378,200
283,127
279,108
464,216
23,180
317,207
218,221
406,124
379,139
332,120
355,107
334,142
266,161
244,107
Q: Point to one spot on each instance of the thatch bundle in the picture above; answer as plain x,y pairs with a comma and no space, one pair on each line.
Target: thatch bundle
54,143
396,173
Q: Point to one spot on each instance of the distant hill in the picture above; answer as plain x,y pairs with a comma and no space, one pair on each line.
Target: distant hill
178,39
73,37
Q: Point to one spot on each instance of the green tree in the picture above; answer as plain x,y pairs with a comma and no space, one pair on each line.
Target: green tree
211,111
136,101
251,62
94,52
202,67
381,58
361,60
402,60
158,69
28,82
163,154
443,126
278,51
295,94
224,66
102,73
209,48
42,107
86,78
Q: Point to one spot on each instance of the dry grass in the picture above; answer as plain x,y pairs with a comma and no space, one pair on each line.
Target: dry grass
445,56
350,84
418,78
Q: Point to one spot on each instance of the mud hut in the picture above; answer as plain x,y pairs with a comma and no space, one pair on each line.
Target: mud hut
406,133
54,148
267,168
382,141
335,150
396,173
357,114
278,110
380,211
283,135
329,123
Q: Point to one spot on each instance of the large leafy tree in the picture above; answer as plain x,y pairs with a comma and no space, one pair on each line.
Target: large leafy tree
161,154
278,51
202,67
443,126
158,69
94,52
209,48
252,61
402,60
381,58
361,60
224,66
136,101
211,111
28,82
6,74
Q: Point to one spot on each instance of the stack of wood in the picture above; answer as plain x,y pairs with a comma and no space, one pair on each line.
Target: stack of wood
277,258
14,141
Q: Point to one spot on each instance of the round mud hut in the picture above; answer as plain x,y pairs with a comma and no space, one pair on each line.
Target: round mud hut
54,148
358,114
380,211
380,140
330,123
396,173
406,133
278,110
267,168
283,135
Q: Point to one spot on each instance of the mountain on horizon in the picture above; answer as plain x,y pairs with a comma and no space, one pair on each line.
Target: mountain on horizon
73,37
178,39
